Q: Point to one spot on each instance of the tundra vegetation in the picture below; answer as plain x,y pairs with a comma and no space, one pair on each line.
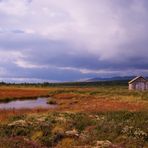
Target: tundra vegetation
90,115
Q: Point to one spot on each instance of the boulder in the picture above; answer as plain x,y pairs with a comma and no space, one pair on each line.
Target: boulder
72,133
18,123
103,144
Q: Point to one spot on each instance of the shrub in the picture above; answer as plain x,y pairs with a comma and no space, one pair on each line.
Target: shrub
51,101
66,143
81,121
37,135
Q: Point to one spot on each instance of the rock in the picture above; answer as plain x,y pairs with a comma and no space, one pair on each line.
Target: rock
107,144
103,144
72,133
18,123
61,119
41,119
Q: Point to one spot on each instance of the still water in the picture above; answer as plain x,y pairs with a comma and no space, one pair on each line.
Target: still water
28,104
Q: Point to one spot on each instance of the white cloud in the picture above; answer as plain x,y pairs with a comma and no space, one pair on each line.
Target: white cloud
28,65
14,7
97,26
10,56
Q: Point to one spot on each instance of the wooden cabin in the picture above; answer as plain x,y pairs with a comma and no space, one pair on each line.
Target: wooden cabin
138,83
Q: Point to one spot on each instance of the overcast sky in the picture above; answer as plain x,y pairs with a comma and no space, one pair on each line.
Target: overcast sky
67,40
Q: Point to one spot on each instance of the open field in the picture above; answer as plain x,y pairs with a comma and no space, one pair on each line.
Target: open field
84,115
102,98
12,93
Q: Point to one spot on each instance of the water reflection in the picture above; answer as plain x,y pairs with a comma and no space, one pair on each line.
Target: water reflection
30,104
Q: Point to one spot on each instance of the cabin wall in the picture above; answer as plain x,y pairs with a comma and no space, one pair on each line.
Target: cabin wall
131,87
139,84
146,85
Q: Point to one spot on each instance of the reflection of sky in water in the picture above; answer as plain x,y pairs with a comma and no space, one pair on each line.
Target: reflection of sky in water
19,104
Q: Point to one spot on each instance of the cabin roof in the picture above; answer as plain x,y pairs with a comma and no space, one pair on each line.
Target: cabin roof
136,78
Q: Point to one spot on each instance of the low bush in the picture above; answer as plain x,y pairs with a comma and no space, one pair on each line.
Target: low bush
78,129
51,101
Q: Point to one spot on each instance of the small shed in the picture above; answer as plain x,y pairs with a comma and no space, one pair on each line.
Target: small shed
138,83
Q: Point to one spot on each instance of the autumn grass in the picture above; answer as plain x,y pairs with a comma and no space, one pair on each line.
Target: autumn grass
81,99
109,92
122,129
95,113
13,93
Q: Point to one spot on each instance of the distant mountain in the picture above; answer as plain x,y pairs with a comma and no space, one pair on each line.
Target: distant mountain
111,79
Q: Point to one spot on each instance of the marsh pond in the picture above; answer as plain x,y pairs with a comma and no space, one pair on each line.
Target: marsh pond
29,104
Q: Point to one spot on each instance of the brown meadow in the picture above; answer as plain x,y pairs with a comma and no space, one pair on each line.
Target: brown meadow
77,99
84,117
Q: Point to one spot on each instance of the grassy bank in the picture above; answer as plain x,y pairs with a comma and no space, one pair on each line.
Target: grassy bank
66,130
114,92
13,93
81,99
